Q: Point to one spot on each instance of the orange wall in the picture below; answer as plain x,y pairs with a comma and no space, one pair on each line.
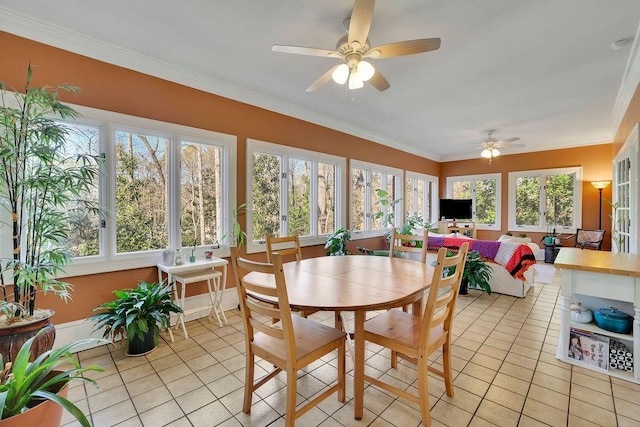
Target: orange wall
113,88
596,162
630,119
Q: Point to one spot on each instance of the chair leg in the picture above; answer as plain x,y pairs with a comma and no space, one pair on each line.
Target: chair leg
446,367
248,383
341,372
292,392
423,391
394,359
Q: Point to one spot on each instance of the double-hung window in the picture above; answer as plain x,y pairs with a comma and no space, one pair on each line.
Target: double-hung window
484,192
421,196
545,200
291,191
376,195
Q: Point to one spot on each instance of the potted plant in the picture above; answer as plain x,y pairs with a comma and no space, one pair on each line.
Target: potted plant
337,242
32,393
137,314
477,274
39,181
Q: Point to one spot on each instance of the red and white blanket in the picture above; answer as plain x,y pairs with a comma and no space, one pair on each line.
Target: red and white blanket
515,257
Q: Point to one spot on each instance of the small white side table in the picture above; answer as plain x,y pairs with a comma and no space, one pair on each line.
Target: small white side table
198,265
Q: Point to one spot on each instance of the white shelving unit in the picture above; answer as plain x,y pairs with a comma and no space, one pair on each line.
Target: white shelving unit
601,279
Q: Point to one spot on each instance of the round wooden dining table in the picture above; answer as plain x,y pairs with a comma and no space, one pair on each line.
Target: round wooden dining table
357,283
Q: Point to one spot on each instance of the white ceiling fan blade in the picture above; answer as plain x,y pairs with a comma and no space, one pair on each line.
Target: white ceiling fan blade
360,23
506,142
301,50
379,82
321,81
408,47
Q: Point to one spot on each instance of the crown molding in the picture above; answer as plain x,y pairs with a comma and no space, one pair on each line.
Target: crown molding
56,36
628,86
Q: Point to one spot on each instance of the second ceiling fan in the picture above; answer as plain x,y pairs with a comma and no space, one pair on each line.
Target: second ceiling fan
354,48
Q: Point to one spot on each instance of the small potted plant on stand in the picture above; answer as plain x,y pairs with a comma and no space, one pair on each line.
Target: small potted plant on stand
41,181
35,393
137,314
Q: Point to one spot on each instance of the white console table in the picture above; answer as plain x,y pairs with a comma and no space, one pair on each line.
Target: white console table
198,265
603,279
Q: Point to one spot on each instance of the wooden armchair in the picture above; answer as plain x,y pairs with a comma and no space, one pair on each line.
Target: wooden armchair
590,239
415,338
290,344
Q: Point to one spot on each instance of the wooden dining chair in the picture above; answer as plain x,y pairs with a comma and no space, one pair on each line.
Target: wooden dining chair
415,338
290,344
409,244
285,246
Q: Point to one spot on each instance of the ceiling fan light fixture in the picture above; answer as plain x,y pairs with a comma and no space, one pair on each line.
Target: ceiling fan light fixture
355,81
489,153
365,70
340,74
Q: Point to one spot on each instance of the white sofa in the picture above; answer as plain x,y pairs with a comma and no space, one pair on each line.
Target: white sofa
537,251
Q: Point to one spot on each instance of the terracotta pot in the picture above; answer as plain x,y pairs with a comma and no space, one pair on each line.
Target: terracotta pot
12,337
45,414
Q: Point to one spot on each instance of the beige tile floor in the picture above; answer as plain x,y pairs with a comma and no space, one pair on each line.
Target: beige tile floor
506,374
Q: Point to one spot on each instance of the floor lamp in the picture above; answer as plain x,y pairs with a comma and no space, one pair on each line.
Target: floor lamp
600,185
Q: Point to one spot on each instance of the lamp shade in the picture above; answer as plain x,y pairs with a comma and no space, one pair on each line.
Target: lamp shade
355,81
600,185
340,74
489,153
365,70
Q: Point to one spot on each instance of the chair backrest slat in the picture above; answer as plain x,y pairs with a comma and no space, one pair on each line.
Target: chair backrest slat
589,238
443,292
406,243
283,245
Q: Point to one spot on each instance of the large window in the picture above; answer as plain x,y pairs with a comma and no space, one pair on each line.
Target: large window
485,193
293,191
545,200
421,196
162,186
376,195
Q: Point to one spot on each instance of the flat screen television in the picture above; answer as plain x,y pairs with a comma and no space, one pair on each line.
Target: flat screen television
459,209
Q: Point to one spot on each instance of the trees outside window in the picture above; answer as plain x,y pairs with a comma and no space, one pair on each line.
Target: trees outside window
367,202
484,191
293,191
421,196
545,200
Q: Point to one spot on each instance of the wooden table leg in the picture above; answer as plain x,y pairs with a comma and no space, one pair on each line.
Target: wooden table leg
358,365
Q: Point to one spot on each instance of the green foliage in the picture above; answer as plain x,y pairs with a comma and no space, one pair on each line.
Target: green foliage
558,204
337,242
386,207
41,185
237,236
136,311
22,381
621,223
477,272
266,195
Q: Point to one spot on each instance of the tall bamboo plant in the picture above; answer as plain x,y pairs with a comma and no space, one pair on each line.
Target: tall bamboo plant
39,184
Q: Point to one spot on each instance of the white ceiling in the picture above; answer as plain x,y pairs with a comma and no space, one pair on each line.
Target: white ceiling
542,70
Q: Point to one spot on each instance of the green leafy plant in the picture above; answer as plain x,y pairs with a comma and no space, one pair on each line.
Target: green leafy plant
136,312
22,381
386,207
477,272
237,235
337,242
620,222
40,183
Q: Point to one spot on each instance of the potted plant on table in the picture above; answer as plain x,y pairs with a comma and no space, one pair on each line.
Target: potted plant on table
40,184
35,393
137,314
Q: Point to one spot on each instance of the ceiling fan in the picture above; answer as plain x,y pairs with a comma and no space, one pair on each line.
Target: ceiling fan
353,48
490,145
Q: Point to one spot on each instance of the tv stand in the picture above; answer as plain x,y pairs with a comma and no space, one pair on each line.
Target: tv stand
466,228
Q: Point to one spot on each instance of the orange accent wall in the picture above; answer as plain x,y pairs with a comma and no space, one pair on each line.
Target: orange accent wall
596,162
114,88
630,119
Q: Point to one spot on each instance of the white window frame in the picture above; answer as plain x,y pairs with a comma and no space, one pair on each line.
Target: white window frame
399,209
542,174
286,152
109,260
473,178
433,180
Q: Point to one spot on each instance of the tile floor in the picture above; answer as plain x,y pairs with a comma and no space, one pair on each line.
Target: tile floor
506,374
